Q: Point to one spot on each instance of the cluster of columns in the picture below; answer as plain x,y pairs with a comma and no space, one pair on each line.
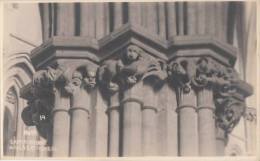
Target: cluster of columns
155,100
150,106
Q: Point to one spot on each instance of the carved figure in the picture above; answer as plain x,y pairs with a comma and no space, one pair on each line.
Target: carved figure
137,66
90,78
230,114
108,74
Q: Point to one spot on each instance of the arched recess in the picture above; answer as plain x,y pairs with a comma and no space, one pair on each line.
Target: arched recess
18,72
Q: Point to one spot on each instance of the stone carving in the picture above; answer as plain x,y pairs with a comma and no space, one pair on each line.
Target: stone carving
182,72
133,66
202,72
37,113
75,82
137,65
108,75
45,78
11,97
90,77
229,112
250,115
209,73
83,77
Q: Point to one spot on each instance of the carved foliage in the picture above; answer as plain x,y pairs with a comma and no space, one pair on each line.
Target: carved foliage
204,72
47,77
38,113
229,112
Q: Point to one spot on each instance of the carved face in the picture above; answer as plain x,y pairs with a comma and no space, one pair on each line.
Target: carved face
90,80
132,53
76,78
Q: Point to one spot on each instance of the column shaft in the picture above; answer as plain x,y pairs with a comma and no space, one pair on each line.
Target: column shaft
61,125
206,107
149,121
80,123
114,118
188,126
132,123
149,115
167,122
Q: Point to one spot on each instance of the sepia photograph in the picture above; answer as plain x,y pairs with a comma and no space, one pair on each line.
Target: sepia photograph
129,79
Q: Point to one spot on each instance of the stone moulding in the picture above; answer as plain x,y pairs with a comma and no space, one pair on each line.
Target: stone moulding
99,50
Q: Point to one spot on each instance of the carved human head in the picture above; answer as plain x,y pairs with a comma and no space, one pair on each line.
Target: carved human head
90,78
76,78
133,53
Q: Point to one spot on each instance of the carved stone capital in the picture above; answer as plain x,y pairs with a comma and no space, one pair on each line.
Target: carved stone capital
108,75
228,113
134,65
38,113
182,72
83,77
138,65
202,72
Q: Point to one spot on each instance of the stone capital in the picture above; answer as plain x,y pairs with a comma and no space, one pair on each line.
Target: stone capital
82,77
228,113
132,66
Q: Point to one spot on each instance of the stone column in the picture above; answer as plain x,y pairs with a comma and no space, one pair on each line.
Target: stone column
167,122
206,125
113,129
188,125
132,122
149,121
80,124
61,124
182,72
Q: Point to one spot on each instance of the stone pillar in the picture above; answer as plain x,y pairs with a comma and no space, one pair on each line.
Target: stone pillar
149,121
61,124
188,125
113,129
206,125
182,72
80,124
167,122
132,122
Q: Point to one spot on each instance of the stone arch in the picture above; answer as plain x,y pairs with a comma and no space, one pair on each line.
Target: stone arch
18,72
